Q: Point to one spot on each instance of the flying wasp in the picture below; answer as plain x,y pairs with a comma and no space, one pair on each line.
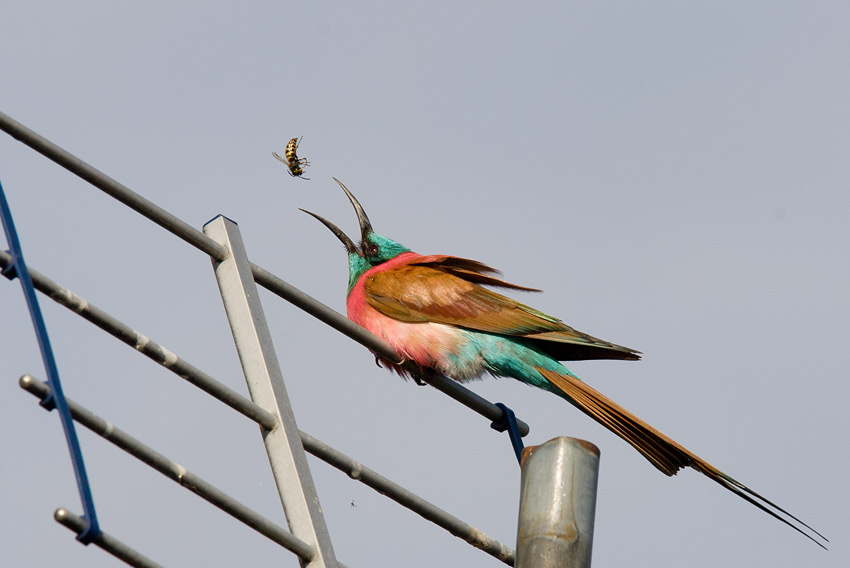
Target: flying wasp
292,161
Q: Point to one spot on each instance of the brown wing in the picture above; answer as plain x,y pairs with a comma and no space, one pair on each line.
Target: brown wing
446,290
469,270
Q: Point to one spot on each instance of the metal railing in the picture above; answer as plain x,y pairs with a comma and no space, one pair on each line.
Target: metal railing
269,408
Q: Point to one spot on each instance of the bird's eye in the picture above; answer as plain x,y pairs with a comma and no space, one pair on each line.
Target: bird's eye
373,250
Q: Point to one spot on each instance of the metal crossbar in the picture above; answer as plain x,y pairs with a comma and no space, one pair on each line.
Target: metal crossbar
405,498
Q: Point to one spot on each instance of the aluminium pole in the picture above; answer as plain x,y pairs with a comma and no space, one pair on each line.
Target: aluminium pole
557,504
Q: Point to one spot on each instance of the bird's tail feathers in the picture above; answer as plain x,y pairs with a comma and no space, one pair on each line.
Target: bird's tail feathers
664,453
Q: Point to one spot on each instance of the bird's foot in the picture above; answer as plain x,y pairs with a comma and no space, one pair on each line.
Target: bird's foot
418,376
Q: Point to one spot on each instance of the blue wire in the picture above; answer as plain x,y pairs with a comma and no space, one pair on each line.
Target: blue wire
56,398
507,421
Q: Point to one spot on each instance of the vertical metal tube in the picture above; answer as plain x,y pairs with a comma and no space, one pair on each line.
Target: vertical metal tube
265,382
557,504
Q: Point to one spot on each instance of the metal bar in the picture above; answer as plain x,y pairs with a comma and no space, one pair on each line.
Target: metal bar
19,269
111,187
108,543
265,382
357,471
175,472
557,504
144,345
263,277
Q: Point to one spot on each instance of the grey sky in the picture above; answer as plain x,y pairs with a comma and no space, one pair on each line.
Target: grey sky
674,177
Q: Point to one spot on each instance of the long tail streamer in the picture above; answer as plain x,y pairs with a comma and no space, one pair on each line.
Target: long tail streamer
664,453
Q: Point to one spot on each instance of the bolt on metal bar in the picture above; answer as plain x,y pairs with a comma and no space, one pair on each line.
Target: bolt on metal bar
175,472
108,543
357,471
144,345
263,277
110,186
557,504
265,382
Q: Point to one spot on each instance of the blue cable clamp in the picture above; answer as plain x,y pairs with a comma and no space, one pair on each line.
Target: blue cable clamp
507,421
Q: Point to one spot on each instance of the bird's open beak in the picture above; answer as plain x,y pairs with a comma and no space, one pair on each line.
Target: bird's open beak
365,225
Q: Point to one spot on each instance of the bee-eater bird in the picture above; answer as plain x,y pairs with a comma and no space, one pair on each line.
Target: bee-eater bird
435,311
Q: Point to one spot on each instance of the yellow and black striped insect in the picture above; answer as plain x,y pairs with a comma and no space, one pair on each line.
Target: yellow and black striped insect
294,164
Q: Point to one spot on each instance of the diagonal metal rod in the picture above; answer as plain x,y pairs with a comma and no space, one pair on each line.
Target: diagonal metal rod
144,345
104,541
175,472
359,472
111,187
